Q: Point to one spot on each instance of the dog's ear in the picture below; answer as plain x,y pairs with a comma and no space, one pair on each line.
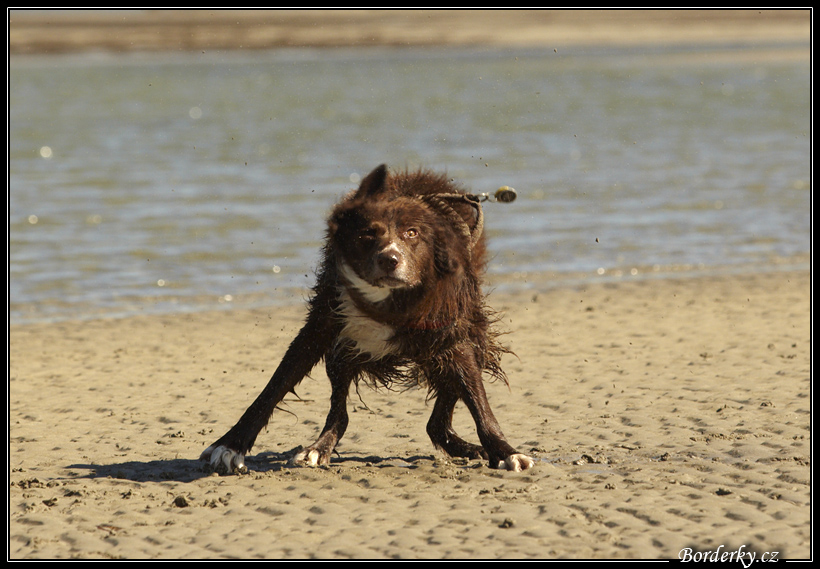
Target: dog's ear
442,262
373,183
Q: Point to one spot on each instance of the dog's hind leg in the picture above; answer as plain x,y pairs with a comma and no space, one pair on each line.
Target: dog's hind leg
228,453
440,428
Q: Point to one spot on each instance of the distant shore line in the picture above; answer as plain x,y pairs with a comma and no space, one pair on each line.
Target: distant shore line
71,31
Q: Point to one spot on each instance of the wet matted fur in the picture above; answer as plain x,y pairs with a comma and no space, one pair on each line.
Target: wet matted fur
398,300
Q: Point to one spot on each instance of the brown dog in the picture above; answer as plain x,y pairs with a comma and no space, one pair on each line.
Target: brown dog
398,299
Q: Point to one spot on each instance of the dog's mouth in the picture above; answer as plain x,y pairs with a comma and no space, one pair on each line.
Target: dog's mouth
389,281
375,288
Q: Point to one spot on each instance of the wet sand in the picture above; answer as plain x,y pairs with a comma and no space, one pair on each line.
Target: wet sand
664,413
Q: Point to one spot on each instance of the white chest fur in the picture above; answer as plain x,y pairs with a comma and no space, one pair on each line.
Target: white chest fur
368,336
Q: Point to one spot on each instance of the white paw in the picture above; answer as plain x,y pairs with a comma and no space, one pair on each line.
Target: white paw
307,457
516,463
223,459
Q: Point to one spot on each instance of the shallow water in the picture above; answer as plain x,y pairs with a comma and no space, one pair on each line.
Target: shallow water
175,182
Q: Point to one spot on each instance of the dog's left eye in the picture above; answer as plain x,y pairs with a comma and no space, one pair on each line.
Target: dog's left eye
411,233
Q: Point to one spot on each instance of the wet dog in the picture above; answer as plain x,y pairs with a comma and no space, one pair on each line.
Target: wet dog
398,300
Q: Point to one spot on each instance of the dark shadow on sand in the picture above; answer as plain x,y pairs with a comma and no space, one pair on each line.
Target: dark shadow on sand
190,470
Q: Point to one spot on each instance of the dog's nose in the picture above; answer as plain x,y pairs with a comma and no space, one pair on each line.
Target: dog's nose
388,261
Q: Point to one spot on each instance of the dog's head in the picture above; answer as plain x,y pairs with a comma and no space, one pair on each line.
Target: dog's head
386,238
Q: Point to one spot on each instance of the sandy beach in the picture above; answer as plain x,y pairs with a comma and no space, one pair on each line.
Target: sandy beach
668,416
664,414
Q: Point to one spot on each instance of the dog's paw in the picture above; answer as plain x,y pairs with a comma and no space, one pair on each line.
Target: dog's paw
516,462
224,460
309,457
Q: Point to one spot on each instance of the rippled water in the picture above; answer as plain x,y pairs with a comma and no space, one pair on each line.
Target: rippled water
175,182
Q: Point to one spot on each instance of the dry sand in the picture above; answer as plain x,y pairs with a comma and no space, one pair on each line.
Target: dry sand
665,413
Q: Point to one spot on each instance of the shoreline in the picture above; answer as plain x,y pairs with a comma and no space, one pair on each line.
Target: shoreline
664,414
505,284
67,31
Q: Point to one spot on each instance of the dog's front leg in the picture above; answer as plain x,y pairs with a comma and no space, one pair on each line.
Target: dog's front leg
499,451
341,373
309,346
